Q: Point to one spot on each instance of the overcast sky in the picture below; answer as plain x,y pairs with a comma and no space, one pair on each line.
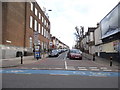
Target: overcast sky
66,14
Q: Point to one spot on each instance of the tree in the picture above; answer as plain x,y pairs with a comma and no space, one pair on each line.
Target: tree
79,35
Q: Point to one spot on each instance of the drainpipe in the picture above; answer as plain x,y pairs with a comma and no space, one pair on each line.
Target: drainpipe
24,41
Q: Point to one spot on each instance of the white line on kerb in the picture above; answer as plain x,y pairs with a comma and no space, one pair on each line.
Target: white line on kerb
65,65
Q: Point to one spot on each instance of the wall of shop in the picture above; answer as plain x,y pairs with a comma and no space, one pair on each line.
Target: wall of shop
111,50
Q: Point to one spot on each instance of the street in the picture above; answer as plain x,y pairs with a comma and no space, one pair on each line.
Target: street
61,72
60,44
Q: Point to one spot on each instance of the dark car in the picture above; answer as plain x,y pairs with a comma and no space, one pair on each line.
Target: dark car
74,54
53,53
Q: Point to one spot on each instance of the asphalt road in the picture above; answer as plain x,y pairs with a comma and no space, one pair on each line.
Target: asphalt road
60,72
57,81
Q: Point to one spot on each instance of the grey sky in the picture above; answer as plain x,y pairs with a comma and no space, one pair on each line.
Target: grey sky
66,14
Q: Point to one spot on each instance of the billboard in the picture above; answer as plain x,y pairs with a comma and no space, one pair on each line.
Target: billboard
110,24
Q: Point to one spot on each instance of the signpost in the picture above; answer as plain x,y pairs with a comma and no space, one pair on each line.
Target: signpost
35,38
36,46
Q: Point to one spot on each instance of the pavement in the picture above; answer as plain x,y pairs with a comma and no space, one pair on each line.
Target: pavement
102,61
14,62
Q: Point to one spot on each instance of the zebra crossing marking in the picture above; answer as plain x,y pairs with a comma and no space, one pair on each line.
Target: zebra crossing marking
82,69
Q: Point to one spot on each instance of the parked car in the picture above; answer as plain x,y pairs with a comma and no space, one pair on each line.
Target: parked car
74,54
53,53
60,51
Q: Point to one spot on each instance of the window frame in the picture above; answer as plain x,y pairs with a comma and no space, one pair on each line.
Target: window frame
31,22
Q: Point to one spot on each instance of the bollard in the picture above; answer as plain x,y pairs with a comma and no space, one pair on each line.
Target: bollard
21,59
93,57
111,61
37,58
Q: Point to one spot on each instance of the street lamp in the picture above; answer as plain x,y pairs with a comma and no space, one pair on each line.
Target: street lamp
49,10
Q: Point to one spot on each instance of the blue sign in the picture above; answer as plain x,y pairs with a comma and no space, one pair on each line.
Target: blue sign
37,54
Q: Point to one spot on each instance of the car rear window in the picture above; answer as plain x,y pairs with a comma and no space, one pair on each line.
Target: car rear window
75,51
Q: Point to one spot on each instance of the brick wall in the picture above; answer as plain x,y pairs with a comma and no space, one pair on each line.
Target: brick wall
14,23
0,23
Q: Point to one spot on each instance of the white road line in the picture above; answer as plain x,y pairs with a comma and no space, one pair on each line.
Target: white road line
70,68
55,68
66,65
103,68
35,68
82,69
92,67
65,56
58,68
107,70
95,69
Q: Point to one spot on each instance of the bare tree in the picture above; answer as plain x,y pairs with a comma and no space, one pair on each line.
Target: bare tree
79,35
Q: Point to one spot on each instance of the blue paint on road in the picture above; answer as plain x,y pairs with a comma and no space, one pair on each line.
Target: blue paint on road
62,72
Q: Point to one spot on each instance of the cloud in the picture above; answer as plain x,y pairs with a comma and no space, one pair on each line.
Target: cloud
66,14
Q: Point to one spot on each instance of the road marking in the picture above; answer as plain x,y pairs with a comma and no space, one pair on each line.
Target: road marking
95,69
24,68
58,74
62,72
58,68
70,68
82,69
65,65
103,68
65,56
35,68
107,70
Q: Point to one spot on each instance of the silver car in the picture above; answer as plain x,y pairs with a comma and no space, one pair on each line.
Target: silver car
53,53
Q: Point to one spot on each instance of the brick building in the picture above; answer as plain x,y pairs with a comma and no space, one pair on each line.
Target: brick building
24,25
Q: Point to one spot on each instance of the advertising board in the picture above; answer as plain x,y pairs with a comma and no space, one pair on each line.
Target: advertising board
110,24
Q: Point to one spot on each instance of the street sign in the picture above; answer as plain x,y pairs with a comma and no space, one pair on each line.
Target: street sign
50,43
35,38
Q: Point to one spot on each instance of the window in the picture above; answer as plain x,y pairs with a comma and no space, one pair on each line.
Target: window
31,22
36,11
46,34
42,45
42,19
35,26
42,31
39,28
91,36
39,42
39,16
44,22
30,40
31,6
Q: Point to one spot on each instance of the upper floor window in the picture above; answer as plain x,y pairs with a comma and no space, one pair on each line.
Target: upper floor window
39,16
42,31
31,22
45,22
35,25
39,28
36,11
42,19
31,6
91,36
